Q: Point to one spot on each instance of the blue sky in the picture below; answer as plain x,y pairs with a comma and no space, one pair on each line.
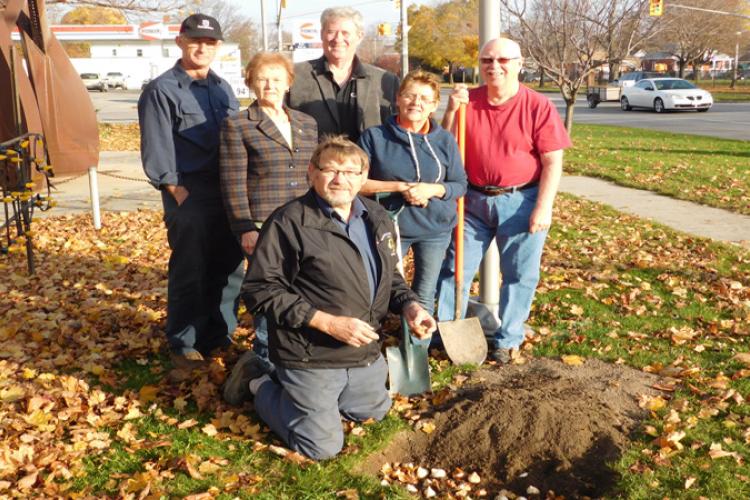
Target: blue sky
374,11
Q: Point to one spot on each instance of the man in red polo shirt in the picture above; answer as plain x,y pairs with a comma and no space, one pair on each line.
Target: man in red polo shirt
514,153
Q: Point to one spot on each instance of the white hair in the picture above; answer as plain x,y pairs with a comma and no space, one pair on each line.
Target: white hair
343,13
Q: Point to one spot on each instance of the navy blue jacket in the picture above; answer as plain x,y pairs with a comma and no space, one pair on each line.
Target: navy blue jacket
180,119
432,158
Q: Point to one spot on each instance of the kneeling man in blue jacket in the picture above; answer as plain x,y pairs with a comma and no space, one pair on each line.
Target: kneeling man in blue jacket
325,273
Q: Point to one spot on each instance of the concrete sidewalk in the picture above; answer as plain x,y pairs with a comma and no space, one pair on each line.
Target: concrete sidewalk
123,187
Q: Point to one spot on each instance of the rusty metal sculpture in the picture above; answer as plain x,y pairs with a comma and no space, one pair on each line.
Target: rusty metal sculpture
47,118
53,100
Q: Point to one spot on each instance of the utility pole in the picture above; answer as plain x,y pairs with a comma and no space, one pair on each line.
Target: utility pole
279,33
736,60
263,25
404,40
489,272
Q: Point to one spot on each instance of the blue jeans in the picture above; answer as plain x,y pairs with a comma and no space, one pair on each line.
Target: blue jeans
260,344
305,407
506,218
429,253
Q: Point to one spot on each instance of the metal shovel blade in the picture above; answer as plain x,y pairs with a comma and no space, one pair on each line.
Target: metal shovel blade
408,369
464,341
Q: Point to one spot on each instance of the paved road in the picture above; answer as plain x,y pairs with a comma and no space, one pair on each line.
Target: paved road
116,106
727,120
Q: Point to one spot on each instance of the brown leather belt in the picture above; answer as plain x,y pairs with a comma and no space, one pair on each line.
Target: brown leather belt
498,190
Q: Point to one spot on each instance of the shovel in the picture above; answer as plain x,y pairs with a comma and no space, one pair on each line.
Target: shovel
408,369
463,339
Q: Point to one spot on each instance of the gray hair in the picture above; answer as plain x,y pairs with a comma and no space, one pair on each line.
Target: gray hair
343,13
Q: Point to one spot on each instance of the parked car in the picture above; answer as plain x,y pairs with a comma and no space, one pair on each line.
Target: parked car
93,81
661,94
116,80
631,78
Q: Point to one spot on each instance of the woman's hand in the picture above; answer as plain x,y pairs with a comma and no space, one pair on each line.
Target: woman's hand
419,194
248,241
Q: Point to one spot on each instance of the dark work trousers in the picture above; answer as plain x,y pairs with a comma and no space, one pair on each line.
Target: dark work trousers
205,269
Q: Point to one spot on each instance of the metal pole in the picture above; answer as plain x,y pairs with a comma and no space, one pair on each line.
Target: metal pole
404,40
94,192
263,25
489,272
279,34
736,59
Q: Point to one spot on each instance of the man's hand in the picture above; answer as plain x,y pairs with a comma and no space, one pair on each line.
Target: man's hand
540,220
179,193
352,331
460,95
420,322
248,241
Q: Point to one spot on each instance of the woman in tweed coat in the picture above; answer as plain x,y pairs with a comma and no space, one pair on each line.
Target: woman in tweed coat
264,153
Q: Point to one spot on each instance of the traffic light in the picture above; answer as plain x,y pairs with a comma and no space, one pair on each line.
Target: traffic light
655,7
384,29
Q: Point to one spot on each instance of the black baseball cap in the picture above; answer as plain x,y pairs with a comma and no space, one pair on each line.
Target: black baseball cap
201,26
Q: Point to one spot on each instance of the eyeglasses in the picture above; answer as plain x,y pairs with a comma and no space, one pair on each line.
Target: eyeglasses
332,172
412,97
499,60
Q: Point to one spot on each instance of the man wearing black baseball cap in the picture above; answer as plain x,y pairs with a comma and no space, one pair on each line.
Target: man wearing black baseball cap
180,114
201,26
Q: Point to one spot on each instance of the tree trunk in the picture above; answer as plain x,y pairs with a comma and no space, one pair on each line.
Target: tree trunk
681,65
569,108
614,69
697,66
541,78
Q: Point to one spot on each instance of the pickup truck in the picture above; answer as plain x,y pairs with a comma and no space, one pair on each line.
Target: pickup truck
93,81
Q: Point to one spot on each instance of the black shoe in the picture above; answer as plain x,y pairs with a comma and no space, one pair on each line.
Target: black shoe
236,388
500,356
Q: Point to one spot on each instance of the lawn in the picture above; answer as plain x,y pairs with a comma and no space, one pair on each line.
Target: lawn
706,170
86,410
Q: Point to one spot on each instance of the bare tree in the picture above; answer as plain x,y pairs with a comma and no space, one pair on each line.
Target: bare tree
693,35
565,38
127,5
628,28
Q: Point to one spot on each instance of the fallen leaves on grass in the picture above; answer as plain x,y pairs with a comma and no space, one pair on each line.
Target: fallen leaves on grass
98,300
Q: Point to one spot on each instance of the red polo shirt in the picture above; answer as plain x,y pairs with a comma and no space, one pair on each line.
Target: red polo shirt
504,143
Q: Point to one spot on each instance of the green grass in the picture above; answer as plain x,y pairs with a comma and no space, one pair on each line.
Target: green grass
614,287
706,170
635,283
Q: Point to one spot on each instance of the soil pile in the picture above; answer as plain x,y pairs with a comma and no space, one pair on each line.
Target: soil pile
543,423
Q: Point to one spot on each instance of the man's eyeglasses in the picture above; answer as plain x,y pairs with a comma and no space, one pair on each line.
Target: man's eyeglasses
412,97
332,172
499,60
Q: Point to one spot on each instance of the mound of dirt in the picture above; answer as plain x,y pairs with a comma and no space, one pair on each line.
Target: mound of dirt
544,423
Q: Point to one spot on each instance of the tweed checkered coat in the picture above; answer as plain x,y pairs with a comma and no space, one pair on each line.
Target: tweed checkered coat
259,170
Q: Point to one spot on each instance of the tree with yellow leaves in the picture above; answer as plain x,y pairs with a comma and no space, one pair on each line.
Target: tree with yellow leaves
445,35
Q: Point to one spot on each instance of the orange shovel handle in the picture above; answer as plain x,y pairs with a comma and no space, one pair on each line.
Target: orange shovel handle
459,264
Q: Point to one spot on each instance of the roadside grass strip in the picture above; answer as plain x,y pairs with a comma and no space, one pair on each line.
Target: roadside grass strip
706,170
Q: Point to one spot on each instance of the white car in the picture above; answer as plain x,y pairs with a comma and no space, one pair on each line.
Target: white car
661,94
